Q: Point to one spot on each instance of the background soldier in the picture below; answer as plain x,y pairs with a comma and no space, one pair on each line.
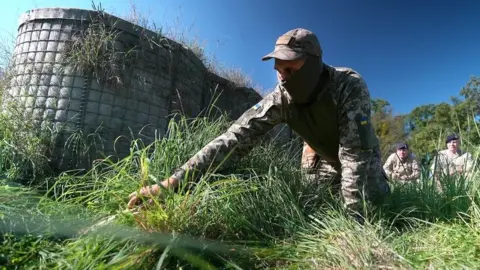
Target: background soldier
451,160
402,165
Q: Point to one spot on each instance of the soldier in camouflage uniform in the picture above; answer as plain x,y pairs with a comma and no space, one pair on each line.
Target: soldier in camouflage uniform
402,165
328,107
452,160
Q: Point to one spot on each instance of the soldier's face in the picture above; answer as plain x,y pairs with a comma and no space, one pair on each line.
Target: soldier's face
452,145
285,68
402,153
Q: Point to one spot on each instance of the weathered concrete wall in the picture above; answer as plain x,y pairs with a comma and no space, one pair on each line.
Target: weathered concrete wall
76,70
228,97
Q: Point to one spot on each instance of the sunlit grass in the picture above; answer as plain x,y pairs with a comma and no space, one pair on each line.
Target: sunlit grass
254,213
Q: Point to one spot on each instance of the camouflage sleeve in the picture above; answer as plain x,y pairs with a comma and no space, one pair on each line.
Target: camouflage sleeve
309,157
469,162
357,140
415,169
388,166
240,137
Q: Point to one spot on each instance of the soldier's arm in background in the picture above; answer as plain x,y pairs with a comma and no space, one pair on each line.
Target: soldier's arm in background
469,163
357,140
415,169
388,166
239,139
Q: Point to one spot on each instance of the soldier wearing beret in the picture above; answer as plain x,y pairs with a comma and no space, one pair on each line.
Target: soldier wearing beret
452,160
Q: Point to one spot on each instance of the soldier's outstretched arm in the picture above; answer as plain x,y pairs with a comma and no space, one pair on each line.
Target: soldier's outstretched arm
238,140
357,141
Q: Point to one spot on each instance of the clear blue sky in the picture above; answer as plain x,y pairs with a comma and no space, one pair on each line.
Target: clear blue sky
409,54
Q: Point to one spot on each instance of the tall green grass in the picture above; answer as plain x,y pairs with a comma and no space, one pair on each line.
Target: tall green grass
255,212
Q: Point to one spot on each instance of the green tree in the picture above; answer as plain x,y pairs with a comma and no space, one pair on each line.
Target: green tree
390,129
428,125
466,113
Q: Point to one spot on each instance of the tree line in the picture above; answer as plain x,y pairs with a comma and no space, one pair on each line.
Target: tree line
426,127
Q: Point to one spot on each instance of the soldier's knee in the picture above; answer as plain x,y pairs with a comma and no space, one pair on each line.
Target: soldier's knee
309,157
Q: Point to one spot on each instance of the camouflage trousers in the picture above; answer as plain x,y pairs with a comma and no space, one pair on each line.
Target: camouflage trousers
320,173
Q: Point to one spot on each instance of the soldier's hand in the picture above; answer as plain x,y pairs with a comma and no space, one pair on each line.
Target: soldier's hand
149,191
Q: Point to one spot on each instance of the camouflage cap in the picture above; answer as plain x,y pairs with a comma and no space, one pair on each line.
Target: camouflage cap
295,44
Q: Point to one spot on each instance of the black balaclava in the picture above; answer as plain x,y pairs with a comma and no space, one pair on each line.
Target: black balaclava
302,84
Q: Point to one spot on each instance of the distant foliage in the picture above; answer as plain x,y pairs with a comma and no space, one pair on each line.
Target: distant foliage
389,128
426,127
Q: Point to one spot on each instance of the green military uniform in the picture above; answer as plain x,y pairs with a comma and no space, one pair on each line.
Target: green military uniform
332,115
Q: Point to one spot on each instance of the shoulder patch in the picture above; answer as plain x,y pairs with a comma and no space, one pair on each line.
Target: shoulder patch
257,106
363,120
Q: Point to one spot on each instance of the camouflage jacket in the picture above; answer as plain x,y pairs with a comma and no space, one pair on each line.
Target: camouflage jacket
450,163
338,130
406,170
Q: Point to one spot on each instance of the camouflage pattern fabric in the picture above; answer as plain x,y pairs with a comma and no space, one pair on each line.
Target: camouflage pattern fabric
294,44
449,163
319,171
340,133
403,171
